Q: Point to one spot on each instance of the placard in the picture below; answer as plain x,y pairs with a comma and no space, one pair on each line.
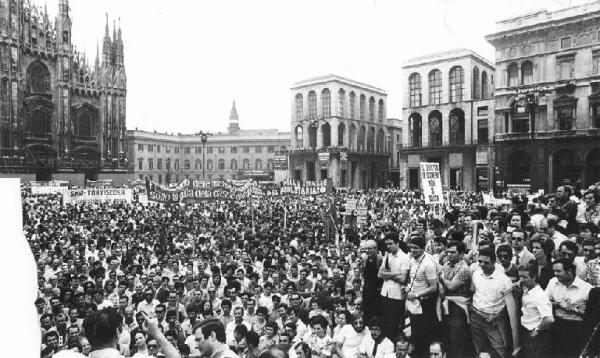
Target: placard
96,196
431,183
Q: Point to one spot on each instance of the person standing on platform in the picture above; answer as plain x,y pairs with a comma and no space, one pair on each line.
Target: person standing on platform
371,282
394,272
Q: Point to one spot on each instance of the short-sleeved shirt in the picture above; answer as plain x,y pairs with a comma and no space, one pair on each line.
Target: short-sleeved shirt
395,263
422,270
490,291
536,306
319,346
461,272
385,349
575,295
351,340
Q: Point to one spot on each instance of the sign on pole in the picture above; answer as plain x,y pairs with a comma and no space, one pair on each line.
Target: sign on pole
431,183
361,214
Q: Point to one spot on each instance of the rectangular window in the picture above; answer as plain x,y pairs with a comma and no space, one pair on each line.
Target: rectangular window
482,131
221,150
159,178
565,68
565,118
150,148
596,63
176,150
140,147
246,149
271,149
258,149
158,148
209,150
482,111
565,42
159,164
140,164
150,164
186,150
197,150
167,149
233,150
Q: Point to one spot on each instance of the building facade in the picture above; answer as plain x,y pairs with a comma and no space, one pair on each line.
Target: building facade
237,154
396,169
547,98
448,108
60,116
340,131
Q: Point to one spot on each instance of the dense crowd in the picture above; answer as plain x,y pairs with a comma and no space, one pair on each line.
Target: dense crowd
294,276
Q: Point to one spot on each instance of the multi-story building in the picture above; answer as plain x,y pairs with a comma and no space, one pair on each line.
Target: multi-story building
340,132
547,98
237,154
447,109
60,116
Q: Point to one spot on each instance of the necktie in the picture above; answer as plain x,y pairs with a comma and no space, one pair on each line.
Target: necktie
387,261
375,347
518,260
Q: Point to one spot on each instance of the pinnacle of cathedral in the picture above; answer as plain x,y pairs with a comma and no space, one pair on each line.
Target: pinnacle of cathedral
234,127
233,116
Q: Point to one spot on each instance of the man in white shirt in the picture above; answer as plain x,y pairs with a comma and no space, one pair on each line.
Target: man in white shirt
394,272
537,314
377,345
568,295
238,319
494,313
350,338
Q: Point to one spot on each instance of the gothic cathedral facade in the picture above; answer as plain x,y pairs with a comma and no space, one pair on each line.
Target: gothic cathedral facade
59,114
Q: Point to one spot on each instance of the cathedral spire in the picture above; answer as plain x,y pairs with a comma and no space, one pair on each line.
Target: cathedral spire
234,119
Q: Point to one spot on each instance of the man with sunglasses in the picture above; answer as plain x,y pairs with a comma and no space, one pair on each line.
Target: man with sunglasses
521,255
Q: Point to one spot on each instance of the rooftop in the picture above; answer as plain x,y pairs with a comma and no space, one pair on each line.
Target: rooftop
252,134
543,16
335,78
444,55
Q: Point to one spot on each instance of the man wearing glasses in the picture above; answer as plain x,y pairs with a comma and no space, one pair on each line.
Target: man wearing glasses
521,255
371,283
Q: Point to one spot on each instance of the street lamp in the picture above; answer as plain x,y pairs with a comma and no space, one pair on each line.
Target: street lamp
203,138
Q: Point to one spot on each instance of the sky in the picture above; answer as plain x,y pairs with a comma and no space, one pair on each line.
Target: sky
187,61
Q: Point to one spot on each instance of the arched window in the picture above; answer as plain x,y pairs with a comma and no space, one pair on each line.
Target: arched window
150,164
457,80
414,85
221,164
198,164
312,103
159,164
476,89
513,75
270,164
246,164
380,111
352,105
38,78
233,164
362,105
341,102
299,107
435,87
168,164
176,164
140,163
341,134
209,164
435,128
527,73
372,109
326,102
186,164
484,85
258,164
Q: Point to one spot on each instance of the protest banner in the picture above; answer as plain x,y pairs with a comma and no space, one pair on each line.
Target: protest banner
97,196
46,190
431,183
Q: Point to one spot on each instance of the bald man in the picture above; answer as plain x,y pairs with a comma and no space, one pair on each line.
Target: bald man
371,283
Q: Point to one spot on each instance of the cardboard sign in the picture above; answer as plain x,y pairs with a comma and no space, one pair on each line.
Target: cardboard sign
431,183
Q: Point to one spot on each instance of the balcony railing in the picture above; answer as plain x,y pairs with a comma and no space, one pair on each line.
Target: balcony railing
300,150
444,143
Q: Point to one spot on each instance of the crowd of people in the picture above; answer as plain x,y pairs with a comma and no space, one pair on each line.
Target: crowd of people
295,277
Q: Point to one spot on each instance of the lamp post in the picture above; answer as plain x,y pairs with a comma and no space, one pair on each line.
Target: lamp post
203,138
